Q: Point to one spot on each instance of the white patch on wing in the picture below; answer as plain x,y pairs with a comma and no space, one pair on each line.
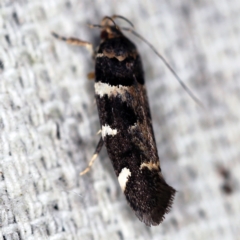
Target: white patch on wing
150,165
107,130
104,88
123,178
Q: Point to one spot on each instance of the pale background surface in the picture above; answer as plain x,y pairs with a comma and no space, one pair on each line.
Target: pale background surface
48,120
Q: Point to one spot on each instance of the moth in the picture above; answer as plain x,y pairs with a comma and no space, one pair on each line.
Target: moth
126,124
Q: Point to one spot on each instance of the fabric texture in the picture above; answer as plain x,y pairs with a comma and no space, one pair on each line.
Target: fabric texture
49,120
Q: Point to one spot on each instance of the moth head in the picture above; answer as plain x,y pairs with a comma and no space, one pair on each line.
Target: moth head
110,29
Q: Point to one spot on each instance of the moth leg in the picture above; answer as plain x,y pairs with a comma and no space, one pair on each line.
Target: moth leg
75,41
91,76
97,151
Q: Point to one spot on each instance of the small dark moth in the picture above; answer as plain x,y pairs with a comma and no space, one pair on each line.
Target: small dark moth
126,125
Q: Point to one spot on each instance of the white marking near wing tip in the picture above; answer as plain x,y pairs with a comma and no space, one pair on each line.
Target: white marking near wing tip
107,130
150,165
123,178
104,88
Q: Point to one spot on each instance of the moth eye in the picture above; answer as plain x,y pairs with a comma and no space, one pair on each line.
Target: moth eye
104,35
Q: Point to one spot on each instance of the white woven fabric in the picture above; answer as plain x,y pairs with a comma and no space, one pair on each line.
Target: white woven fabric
48,120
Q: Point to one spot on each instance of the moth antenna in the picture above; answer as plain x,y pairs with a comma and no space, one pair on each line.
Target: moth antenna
196,100
125,19
109,18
